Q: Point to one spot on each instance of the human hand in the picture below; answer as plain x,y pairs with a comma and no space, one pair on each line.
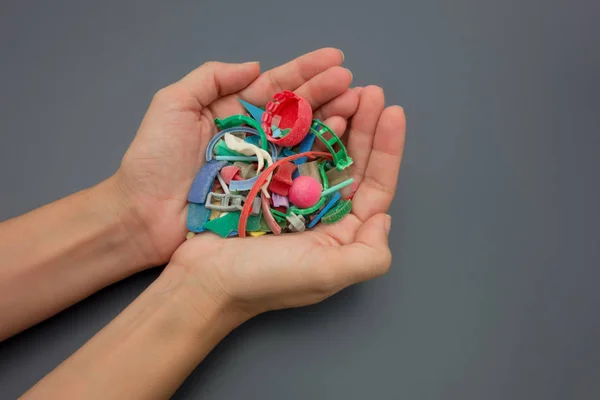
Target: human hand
168,150
270,272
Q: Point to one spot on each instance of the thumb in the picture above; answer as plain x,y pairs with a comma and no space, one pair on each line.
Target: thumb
369,256
216,79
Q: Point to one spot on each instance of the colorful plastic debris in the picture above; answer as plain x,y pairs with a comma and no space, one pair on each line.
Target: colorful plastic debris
261,175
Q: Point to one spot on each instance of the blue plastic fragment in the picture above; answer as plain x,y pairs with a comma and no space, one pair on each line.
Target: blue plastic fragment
276,133
204,180
254,111
305,145
197,217
328,206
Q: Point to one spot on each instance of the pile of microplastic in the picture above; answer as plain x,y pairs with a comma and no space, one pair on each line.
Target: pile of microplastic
262,175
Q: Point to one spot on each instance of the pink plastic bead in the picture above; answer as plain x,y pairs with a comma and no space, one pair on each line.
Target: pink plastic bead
305,192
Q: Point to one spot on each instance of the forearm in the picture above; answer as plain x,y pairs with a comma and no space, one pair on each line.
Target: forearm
148,350
59,254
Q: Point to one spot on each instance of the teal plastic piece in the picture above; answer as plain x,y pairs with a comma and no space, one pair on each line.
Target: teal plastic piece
197,216
337,187
225,225
235,158
237,120
253,224
256,112
221,149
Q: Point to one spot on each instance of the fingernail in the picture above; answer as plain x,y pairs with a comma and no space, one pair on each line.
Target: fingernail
388,224
351,75
343,56
251,62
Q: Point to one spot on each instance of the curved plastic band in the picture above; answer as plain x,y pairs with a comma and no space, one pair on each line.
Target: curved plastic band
261,181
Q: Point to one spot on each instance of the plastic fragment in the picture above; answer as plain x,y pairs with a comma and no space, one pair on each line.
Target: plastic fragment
228,172
246,170
256,206
295,113
197,217
275,228
238,120
305,191
280,201
256,112
254,222
305,145
338,212
221,149
224,225
282,179
337,187
241,146
296,222
204,180
335,176
340,156
190,235
336,197
257,233
224,202
223,184
310,169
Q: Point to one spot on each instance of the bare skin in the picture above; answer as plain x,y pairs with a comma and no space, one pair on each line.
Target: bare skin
210,285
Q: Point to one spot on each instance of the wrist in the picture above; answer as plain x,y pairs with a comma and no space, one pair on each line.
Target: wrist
200,299
109,196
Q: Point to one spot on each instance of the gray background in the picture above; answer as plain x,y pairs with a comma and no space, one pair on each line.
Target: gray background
493,293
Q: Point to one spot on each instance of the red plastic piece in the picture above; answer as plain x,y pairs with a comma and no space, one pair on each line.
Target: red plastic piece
263,178
282,179
228,173
295,113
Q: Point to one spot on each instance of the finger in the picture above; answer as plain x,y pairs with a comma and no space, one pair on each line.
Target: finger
358,89
344,105
362,129
376,191
292,75
209,82
326,86
336,123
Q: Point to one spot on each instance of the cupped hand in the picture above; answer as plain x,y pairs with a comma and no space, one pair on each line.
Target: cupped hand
157,171
257,274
